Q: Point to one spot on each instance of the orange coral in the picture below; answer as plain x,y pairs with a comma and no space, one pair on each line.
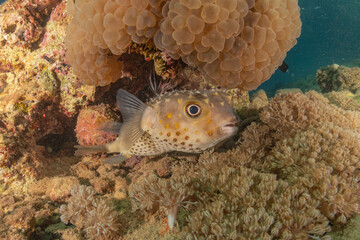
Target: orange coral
100,31
235,43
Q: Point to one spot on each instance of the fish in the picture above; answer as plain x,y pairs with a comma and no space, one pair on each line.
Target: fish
284,67
183,121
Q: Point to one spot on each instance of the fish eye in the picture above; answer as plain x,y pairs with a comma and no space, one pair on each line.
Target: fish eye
193,110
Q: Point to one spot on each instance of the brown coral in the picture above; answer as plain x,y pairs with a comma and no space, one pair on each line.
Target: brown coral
293,175
90,213
247,204
314,150
235,43
154,192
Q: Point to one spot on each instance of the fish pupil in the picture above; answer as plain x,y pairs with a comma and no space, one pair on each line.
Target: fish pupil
193,110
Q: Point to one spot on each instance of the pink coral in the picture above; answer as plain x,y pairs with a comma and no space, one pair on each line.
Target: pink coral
90,121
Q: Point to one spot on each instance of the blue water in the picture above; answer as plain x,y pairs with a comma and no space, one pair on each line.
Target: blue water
330,34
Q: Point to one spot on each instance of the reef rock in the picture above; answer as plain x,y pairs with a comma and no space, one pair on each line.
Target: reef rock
38,92
339,78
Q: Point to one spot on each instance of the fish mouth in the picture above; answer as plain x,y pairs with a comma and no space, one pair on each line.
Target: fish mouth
230,128
232,124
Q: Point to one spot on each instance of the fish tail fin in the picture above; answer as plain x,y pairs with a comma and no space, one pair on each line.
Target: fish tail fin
85,150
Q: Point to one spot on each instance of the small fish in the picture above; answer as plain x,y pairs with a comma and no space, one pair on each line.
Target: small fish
186,121
284,67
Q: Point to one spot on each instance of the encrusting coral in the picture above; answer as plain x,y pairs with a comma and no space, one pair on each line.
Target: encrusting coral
345,99
293,175
235,43
90,213
89,123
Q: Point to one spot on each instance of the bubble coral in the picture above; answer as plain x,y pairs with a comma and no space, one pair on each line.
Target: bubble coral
100,31
235,43
90,213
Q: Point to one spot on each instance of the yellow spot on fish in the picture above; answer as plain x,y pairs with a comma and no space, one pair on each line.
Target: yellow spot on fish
167,126
168,134
196,132
186,129
179,100
215,93
222,104
169,115
160,121
207,101
210,132
176,125
179,116
160,133
186,137
209,121
197,140
177,133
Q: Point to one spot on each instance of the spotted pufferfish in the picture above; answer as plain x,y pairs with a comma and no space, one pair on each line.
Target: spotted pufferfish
185,121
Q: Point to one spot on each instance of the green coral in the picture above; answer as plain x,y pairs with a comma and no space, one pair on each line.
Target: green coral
22,106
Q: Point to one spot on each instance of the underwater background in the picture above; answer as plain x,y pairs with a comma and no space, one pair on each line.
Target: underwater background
292,170
330,34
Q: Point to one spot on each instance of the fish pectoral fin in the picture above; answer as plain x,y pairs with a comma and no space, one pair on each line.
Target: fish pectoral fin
85,150
132,110
115,159
110,127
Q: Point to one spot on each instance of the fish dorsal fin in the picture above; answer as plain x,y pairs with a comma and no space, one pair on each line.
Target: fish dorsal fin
128,104
132,110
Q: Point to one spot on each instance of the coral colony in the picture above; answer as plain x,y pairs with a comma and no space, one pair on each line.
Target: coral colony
234,43
291,171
